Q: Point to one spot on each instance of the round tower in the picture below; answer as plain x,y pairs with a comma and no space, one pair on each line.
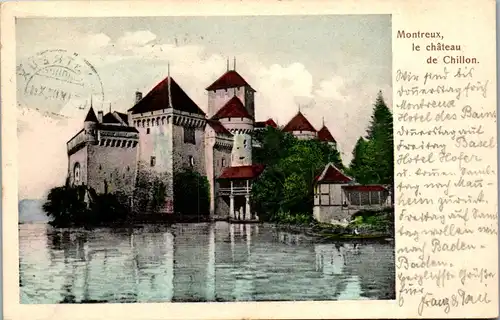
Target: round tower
241,128
236,119
90,126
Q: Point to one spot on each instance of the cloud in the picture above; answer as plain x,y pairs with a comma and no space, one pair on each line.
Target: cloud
97,41
136,38
135,61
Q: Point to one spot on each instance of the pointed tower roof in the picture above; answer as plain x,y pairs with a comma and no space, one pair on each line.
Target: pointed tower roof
325,135
299,123
166,94
91,117
331,174
234,108
230,79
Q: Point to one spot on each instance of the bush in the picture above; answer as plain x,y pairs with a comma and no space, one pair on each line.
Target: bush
191,193
287,218
79,206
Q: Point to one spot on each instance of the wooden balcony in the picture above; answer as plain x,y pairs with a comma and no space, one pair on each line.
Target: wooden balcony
235,191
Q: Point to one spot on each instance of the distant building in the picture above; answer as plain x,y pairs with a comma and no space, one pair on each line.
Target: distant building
165,132
300,127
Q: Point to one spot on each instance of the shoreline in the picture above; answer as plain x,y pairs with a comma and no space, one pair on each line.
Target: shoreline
325,233
321,231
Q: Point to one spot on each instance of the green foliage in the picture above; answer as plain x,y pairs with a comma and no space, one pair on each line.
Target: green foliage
65,205
286,185
150,191
79,206
375,221
295,219
373,155
191,193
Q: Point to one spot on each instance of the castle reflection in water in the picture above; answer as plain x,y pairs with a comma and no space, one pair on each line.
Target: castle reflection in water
198,262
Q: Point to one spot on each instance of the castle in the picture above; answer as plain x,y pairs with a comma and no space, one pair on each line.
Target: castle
166,132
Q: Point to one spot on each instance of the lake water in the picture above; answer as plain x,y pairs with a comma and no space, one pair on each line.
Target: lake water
197,262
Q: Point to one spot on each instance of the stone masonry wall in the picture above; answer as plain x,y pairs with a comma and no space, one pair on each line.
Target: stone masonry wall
78,157
115,165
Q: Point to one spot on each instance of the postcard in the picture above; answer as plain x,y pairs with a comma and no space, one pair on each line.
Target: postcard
249,160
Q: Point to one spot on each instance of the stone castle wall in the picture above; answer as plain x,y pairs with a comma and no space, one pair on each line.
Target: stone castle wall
218,99
112,168
182,151
80,157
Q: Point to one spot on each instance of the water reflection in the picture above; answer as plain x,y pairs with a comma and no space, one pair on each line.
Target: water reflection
197,262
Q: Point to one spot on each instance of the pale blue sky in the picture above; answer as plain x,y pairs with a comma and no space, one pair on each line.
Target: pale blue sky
335,65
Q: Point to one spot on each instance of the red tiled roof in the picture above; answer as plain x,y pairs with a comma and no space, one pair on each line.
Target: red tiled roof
234,108
243,172
372,187
332,175
325,135
218,127
230,79
269,122
299,123
158,98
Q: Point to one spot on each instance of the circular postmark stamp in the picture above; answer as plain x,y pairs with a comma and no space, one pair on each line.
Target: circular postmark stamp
53,80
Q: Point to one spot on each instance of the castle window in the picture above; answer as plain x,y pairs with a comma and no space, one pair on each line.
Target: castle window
153,161
189,135
223,162
76,174
191,161
245,143
100,167
128,169
148,131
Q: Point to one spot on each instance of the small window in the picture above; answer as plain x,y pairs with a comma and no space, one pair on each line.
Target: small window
128,169
189,135
245,143
223,162
191,161
148,131
153,161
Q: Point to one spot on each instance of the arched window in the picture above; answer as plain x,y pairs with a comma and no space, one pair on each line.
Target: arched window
76,174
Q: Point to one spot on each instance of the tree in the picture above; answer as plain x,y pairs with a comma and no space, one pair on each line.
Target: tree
373,157
66,205
191,193
286,185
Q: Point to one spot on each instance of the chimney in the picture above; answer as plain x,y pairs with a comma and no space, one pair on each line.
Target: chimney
138,96
99,116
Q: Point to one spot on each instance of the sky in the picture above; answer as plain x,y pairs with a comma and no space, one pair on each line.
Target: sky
331,66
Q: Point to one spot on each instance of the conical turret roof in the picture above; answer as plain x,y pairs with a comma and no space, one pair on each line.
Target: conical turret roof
299,123
91,117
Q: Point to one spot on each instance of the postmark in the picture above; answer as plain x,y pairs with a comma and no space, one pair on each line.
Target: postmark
55,81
